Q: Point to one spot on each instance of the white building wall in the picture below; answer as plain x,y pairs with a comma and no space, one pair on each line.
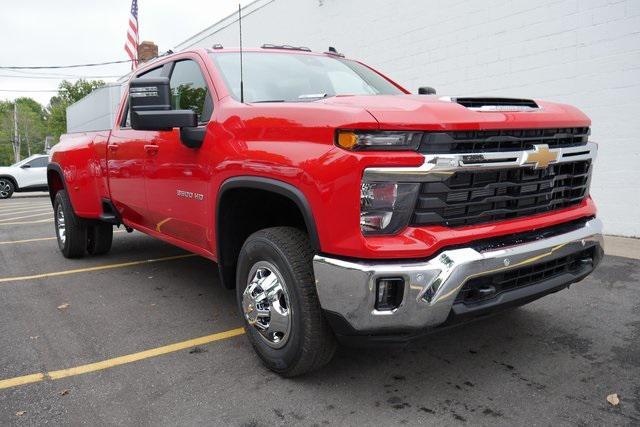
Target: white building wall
585,53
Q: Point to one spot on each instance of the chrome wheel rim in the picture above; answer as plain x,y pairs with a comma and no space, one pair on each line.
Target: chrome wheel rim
60,225
5,188
265,304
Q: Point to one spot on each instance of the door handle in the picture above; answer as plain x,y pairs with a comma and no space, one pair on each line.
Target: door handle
112,147
151,149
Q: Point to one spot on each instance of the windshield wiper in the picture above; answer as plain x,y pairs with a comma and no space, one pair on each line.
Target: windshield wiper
301,98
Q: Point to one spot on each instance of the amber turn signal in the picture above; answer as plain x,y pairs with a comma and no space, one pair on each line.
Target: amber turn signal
347,140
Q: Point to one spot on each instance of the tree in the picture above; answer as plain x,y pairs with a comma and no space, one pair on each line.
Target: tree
68,93
36,122
31,118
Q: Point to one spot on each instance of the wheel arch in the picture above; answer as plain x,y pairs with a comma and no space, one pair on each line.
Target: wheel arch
288,200
12,179
55,181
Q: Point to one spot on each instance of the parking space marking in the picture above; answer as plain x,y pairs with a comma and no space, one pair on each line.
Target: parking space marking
5,212
41,239
96,268
122,360
10,205
26,222
24,217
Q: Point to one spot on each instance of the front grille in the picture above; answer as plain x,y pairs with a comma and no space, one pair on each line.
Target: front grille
488,287
474,197
482,141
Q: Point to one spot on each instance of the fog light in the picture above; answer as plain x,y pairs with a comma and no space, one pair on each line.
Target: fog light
389,292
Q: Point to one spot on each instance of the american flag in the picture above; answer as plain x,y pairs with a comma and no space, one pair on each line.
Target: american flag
131,45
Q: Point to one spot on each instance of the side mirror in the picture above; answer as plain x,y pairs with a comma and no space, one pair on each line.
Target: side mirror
25,166
150,106
426,90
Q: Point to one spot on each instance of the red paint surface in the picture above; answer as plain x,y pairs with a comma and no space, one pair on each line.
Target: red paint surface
290,142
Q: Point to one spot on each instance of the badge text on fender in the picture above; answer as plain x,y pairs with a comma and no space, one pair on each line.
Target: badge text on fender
189,195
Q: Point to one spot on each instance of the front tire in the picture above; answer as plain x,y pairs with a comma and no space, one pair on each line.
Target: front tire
70,231
6,188
276,294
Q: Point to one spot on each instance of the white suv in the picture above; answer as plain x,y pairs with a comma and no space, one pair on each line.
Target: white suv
29,174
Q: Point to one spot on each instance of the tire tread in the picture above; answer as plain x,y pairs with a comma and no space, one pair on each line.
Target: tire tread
318,342
76,231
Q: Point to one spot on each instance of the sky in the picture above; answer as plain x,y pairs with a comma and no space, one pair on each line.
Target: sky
64,32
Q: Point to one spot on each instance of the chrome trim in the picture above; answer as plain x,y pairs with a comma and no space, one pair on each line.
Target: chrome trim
265,304
438,166
504,108
431,286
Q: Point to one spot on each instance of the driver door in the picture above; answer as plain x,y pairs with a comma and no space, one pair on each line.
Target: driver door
177,178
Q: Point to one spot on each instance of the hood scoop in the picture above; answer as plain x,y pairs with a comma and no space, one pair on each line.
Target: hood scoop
496,104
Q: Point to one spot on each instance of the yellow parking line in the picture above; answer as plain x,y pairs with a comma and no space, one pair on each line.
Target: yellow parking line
26,222
40,239
117,361
3,213
25,216
96,268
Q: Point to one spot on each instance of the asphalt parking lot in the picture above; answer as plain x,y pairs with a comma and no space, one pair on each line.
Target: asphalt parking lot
146,335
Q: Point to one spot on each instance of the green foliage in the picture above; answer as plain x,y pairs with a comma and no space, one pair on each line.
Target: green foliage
189,98
35,122
31,127
68,93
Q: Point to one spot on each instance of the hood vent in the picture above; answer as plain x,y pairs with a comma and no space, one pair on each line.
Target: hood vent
497,104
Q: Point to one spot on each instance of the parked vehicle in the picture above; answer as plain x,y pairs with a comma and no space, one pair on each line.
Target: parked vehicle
337,204
29,174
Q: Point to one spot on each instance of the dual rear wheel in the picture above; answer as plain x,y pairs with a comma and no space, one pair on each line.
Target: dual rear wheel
75,237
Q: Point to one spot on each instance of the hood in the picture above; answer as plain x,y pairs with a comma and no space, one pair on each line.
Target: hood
435,112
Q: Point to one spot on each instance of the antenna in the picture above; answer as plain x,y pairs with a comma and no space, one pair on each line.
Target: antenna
241,76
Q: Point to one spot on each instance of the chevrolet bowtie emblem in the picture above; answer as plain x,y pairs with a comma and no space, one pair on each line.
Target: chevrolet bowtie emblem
541,156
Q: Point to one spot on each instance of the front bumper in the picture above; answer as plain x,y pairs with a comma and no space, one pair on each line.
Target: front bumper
347,289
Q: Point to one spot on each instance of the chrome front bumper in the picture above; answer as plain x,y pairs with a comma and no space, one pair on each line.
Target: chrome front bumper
348,288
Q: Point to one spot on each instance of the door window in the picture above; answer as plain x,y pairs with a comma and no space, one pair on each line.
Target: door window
189,91
40,162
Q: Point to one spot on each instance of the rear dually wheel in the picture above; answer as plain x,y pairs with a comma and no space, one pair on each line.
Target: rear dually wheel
71,233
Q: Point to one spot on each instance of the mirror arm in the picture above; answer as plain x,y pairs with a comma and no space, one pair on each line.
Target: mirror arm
192,137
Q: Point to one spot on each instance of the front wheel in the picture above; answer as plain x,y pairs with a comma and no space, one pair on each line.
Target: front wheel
276,294
6,188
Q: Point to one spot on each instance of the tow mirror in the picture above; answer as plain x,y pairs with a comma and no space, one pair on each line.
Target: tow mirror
426,90
150,106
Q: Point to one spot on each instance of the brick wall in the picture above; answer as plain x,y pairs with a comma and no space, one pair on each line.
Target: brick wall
585,53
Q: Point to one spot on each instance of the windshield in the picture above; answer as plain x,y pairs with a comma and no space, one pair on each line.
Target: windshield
286,77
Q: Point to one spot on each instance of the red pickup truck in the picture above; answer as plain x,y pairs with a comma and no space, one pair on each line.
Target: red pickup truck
340,207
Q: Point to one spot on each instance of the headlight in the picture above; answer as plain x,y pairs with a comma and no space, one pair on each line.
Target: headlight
378,140
386,207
